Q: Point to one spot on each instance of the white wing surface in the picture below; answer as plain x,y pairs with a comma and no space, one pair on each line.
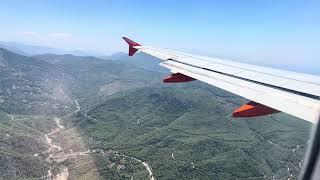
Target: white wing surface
290,92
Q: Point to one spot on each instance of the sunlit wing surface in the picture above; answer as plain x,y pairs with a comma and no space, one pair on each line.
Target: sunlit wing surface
270,90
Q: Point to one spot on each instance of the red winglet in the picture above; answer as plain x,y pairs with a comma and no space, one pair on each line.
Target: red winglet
131,43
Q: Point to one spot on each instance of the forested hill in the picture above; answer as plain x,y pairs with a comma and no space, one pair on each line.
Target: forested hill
184,133
32,86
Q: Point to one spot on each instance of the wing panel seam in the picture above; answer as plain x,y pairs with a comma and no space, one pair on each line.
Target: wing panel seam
249,80
161,51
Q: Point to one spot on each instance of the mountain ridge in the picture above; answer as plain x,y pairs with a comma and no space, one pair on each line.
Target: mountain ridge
30,50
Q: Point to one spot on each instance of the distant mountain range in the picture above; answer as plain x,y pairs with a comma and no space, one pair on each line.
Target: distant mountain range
29,50
139,60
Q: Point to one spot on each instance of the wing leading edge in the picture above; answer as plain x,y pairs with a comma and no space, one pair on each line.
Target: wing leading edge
270,90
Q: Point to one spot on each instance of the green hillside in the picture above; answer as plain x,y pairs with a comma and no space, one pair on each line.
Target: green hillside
183,132
32,86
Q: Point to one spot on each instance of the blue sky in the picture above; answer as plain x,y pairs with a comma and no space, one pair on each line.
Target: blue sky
281,33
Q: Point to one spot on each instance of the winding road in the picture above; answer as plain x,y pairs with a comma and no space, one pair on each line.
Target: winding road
54,149
64,173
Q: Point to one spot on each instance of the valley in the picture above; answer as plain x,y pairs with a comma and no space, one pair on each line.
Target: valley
57,154
75,117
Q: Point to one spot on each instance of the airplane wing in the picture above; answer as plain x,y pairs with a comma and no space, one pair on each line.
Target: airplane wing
269,90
